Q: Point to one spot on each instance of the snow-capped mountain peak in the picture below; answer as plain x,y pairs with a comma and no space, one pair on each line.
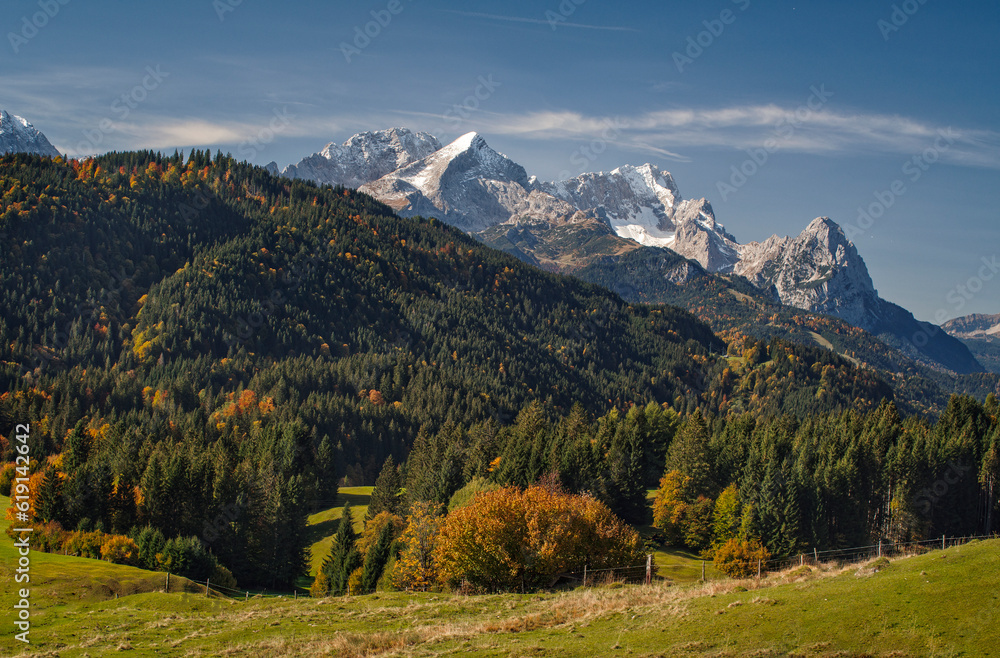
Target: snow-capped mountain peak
465,183
365,157
19,136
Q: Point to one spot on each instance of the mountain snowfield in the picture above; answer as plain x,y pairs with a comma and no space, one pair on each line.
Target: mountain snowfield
19,136
364,157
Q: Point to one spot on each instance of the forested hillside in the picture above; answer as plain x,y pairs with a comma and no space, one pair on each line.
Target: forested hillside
734,308
205,350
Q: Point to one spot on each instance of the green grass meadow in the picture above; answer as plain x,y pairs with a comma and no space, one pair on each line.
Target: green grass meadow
942,603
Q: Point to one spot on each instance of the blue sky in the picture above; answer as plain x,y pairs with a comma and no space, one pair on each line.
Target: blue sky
696,88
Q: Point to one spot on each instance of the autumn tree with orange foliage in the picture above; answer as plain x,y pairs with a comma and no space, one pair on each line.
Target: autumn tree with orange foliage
515,538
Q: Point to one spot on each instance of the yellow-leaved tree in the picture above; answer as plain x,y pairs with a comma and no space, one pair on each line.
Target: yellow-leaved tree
416,569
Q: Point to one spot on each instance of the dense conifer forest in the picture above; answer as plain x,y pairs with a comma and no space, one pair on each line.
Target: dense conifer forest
207,351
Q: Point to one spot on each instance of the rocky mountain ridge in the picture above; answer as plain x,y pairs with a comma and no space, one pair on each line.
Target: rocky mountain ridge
569,225
974,326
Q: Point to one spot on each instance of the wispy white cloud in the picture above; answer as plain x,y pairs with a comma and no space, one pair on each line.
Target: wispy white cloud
541,21
70,104
821,132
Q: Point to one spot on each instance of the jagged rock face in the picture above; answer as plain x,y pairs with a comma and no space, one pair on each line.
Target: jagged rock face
820,270
637,202
466,184
365,157
701,238
683,273
643,204
19,136
974,326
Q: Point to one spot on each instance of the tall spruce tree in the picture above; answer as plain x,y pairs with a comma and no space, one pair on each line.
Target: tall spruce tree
385,495
49,502
344,557
690,454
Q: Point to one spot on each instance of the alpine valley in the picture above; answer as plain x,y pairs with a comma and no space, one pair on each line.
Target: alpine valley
206,351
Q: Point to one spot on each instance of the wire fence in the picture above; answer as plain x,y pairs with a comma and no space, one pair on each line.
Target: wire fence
648,573
640,574
884,548
635,574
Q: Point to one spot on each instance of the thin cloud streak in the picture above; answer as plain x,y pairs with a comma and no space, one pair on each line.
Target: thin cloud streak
539,21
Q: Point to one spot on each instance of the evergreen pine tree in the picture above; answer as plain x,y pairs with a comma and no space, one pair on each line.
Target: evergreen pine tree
48,499
385,495
77,448
689,453
344,557
375,561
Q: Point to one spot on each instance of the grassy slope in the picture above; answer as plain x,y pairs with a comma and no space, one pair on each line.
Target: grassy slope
939,604
323,525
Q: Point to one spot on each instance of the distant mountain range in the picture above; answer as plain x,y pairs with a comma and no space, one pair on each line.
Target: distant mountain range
981,334
598,225
568,225
974,326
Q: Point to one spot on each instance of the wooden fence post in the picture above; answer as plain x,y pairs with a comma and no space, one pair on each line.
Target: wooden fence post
702,571
166,589
207,581
585,575
758,569
942,542
816,555
649,569
880,548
